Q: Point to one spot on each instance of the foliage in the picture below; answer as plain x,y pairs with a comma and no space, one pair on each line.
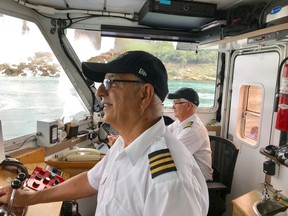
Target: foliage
104,57
180,64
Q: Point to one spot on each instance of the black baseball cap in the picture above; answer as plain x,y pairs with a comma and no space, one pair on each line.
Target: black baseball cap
144,65
187,93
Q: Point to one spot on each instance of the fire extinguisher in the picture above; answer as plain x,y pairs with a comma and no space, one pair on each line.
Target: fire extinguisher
282,112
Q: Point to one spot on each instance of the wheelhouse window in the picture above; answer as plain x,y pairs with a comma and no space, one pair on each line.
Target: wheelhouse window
33,85
252,96
185,68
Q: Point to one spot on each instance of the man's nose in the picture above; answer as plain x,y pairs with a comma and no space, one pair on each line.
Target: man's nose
101,91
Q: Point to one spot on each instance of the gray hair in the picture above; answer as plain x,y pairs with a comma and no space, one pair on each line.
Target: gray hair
157,104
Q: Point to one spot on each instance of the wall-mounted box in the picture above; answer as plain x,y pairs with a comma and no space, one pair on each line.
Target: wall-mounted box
47,133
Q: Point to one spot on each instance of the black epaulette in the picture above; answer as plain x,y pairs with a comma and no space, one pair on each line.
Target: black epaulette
188,124
161,162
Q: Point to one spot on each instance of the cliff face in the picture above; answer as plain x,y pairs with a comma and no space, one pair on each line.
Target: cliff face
41,64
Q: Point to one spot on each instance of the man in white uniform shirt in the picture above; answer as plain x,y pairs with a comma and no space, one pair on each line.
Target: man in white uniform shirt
147,171
189,129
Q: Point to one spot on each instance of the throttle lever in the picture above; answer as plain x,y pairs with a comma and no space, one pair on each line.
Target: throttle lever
15,184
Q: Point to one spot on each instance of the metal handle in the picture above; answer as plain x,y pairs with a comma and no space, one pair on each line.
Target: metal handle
15,184
276,196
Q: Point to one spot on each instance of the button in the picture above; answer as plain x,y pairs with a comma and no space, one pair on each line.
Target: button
38,177
56,182
55,170
36,183
46,180
52,175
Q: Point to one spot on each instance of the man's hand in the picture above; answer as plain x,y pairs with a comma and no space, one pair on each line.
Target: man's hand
5,194
20,199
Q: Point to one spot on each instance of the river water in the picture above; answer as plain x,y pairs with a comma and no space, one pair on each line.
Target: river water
205,90
24,100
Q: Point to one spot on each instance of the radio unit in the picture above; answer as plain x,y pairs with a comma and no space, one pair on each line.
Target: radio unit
177,14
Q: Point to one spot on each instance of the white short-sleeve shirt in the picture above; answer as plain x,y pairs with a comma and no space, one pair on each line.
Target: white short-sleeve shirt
194,135
168,184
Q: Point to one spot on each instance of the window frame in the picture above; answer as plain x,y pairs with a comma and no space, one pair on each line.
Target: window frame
243,112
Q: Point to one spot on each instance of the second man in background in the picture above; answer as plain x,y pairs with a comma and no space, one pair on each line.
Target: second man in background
189,129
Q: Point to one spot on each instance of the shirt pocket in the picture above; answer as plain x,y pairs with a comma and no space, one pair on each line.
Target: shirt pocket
115,208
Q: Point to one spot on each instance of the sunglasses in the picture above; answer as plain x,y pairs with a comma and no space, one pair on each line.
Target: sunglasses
108,82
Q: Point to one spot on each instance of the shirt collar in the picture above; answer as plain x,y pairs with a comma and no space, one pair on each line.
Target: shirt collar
136,149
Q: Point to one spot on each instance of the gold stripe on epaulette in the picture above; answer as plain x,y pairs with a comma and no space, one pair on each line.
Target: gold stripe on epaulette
161,162
188,124
159,156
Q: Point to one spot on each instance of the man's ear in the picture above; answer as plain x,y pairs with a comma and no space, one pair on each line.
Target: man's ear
147,95
190,106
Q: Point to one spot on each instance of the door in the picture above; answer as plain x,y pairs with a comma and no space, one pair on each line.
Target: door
260,70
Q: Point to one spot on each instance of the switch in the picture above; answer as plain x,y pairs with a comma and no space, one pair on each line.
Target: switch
56,182
46,180
36,183
52,175
38,176
55,170
269,167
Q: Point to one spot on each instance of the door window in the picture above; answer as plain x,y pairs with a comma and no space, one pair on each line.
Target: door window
251,97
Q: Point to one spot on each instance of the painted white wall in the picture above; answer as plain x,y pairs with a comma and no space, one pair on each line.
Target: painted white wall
260,69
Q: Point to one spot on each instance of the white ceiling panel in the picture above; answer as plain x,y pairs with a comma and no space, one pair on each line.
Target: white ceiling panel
127,6
59,4
98,5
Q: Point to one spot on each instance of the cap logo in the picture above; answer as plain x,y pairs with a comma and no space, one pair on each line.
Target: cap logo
142,72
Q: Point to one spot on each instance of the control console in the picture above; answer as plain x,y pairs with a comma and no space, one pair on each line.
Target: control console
42,178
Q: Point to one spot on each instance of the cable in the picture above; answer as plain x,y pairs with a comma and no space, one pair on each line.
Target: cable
89,15
40,9
62,26
62,44
8,150
262,12
51,10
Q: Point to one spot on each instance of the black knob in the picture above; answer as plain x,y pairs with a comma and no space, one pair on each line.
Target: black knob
16,183
21,176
